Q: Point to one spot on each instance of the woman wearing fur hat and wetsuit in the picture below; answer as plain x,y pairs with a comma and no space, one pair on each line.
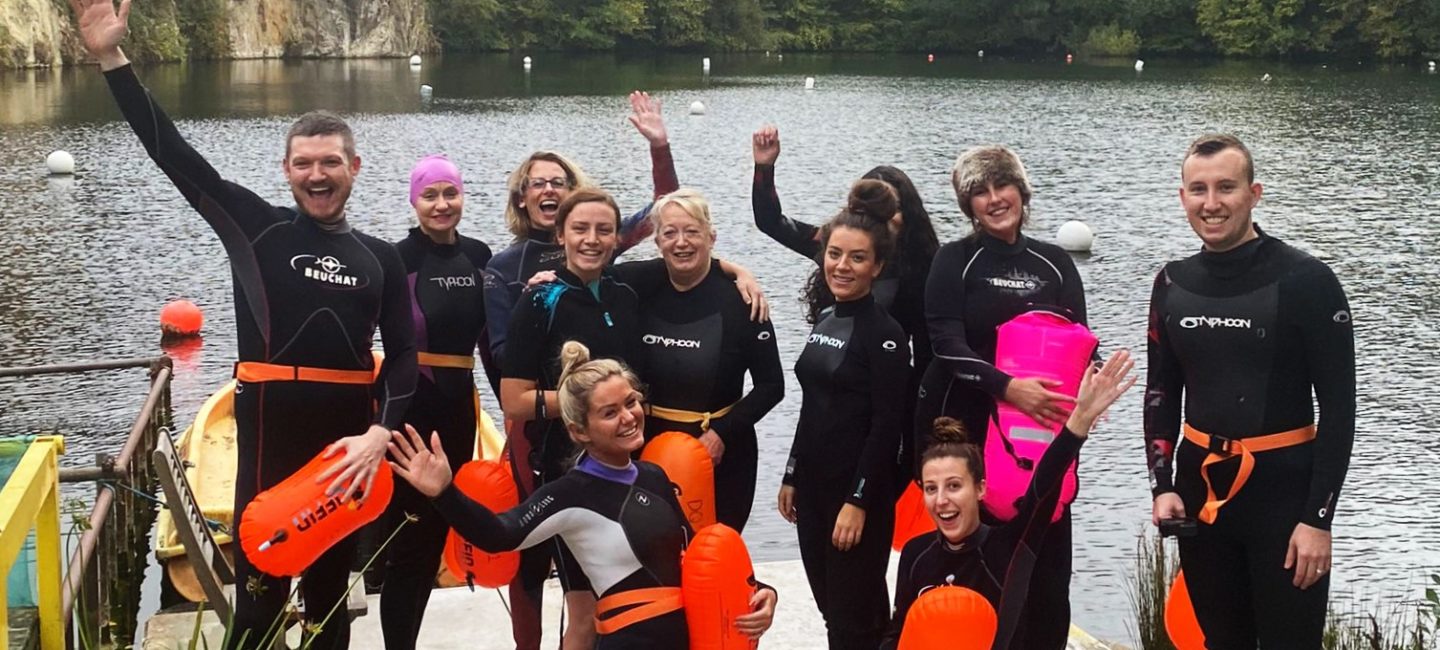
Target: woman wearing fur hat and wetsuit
976,284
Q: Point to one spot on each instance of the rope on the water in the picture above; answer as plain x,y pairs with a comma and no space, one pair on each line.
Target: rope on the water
214,525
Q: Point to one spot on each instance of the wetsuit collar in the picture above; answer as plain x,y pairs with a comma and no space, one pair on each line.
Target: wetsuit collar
852,307
967,545
626,474
537,235
997,245
1236,261
339,226
420,237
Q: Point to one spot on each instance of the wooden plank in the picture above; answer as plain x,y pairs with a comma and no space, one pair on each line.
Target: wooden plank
212,570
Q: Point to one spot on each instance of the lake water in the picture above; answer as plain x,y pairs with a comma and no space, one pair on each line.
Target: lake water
1348,158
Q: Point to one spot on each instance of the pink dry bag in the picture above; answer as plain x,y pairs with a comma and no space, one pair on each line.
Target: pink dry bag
1041,344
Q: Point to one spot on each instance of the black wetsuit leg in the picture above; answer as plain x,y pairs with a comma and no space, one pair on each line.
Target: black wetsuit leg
849,586
735,483
1236,565
261,599
1045,621
412,559
665,632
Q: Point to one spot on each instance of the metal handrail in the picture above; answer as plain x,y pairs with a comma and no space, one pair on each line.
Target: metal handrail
132,468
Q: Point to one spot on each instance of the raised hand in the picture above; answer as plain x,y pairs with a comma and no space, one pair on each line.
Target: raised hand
102,27
648,120
766,145
426,468
1099,388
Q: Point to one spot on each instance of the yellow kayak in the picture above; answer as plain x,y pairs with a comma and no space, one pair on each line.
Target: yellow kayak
208,447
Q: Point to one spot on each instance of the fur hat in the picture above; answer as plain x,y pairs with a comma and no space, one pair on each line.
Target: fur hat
984,165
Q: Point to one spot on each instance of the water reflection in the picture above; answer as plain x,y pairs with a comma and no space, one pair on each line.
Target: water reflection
1346,156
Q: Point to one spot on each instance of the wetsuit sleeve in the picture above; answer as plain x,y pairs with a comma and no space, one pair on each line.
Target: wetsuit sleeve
235,213
771,220
1043,494
1329,340
904,598
644,277
527,338
530,523
762,359
662,171
945,315
397,333
637,227
889,378
1164,387
499,307
1072,289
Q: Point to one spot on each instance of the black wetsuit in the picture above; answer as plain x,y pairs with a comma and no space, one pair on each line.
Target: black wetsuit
903,296
512,268
624,526
448,310
977,284
986,560
1245,336
604,316
308,295
696,348
853,374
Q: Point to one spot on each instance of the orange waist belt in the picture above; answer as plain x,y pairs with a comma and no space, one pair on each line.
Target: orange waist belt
643,604
257,371
445,360
1222,449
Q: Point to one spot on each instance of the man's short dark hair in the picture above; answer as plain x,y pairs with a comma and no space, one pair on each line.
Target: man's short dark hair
321,123
1212,143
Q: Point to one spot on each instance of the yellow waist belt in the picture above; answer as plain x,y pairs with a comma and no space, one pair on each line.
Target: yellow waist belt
445,360
688,417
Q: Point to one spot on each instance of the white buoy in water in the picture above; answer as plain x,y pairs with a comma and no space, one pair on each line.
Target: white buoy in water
526,61
1432,66
1139,65
809,83
980,54
60,163
426,90
705,64
415,60
1075,236
697,107
1265,78
779,57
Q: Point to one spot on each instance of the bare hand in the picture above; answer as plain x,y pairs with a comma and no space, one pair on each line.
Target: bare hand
102,27
540,277
713,445
648,120
848,527
753,295
1099,388
360,457
1034,398
426,469
787,502
1167,506
1309,555
766,145
762,613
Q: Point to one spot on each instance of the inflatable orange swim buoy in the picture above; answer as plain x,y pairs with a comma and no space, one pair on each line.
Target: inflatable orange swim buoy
949,617
717,581
687,464
911,518
287,527
1180,622
489,483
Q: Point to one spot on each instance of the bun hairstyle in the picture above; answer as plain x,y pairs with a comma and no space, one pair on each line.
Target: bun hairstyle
869,208
950,439
578,377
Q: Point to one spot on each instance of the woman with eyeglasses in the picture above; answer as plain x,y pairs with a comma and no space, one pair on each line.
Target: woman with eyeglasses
698,341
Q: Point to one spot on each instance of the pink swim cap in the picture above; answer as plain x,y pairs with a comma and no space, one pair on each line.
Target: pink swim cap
433,169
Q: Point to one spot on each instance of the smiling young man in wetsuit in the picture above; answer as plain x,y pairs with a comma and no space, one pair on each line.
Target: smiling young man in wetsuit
309,293
1245,330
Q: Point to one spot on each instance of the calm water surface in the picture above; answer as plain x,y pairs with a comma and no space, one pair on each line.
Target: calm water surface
1348,159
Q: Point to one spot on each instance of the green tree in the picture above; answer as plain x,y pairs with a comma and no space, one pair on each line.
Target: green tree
1267,27
736,25
678,23
1168,26
468,25
206,26
802,24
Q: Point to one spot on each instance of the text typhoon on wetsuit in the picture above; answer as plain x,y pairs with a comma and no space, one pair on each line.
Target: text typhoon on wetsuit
1192,322
656,339
821,339
450,282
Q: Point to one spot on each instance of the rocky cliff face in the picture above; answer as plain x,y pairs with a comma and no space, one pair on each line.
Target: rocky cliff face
42,33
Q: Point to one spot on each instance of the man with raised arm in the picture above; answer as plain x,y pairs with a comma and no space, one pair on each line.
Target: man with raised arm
1246,329
309,292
